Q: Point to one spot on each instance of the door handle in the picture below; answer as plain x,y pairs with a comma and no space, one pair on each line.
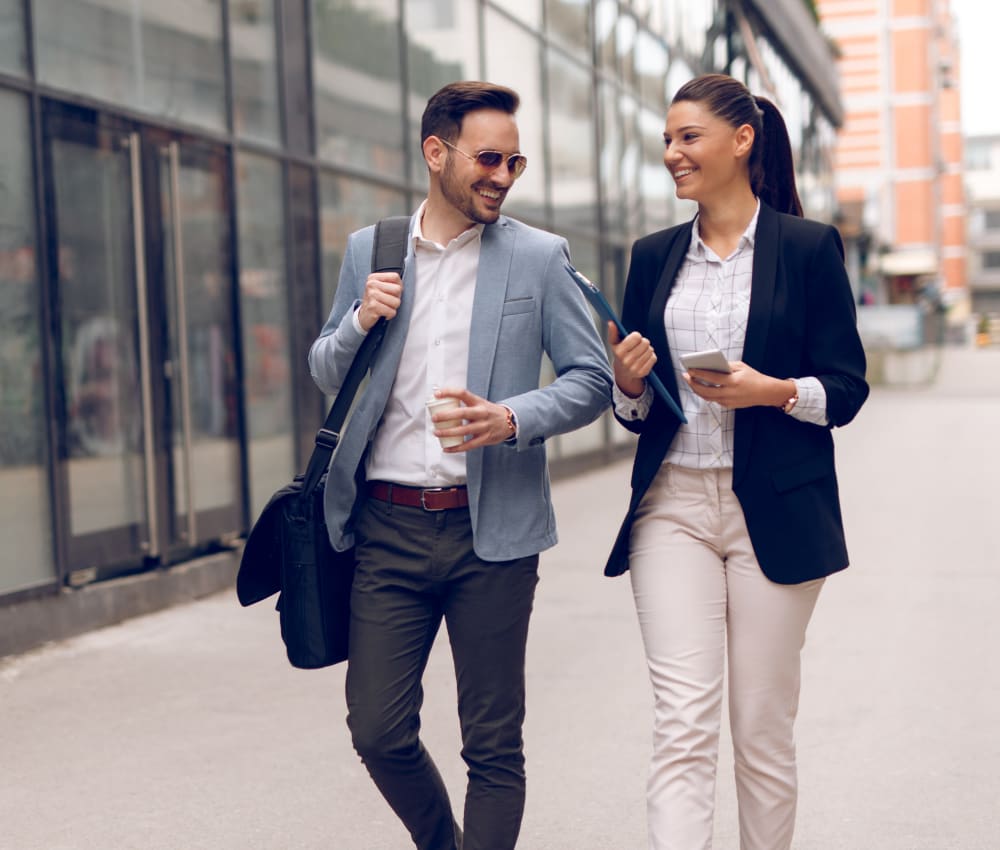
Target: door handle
172,153
133,144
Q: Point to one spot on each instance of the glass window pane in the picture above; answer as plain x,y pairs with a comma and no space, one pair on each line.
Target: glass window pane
605,24
527,11
657,185
255,70
632,166
442,46
161,58
651,63
569,22
199,293
264,320
348,205
99,335
13,55
513,58
356,76
24,498
612,159
571,134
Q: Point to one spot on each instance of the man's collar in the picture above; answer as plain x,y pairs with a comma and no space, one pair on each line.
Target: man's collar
474,232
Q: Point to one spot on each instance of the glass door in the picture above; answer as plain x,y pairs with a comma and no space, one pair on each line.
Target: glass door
142,254
196,275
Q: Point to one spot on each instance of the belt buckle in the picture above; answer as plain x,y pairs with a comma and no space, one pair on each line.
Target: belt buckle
423,497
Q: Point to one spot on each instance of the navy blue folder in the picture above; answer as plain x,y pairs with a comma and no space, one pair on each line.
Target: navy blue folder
605,311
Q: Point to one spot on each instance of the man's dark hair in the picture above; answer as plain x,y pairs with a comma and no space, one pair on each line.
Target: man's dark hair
447,108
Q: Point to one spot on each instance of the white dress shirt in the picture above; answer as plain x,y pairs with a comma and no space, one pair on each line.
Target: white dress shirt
708,307
435,354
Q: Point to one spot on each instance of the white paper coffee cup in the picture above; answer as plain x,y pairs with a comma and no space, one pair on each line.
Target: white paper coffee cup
436,405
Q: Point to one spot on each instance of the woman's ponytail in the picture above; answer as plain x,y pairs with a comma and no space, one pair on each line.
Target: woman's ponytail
772,168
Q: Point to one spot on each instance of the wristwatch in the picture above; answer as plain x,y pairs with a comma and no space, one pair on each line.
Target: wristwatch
511,425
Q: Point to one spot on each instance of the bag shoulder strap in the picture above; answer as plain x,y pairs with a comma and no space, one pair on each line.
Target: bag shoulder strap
388,255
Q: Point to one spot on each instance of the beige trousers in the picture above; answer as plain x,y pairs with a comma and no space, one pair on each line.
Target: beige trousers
697,588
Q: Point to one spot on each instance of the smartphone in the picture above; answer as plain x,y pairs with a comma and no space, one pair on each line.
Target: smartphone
713,360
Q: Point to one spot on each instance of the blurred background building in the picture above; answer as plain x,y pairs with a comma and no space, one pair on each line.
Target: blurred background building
982,167
899,166
177,182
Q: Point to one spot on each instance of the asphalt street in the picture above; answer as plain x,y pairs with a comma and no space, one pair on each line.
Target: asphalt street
187,729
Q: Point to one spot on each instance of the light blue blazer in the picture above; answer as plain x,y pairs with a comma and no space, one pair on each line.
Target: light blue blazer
525,305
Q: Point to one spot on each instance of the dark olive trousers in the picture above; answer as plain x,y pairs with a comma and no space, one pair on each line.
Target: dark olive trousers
416,567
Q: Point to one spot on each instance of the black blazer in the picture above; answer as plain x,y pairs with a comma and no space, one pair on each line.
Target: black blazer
802,323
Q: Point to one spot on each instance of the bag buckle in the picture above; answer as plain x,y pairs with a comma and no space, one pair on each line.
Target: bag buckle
327,438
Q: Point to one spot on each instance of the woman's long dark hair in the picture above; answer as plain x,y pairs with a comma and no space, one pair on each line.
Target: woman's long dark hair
772,169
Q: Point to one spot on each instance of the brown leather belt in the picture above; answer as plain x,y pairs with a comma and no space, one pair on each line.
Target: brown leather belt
430,499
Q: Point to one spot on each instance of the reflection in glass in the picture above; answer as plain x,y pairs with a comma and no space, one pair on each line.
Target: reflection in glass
657,184
253,45
264,323
678,73
569,22
611,161
347,205
13,53
605,22
24,499
513,58
631,166
99,334
201,340
161,58
356,77
527,11
651,62
442,47
625,45
571,131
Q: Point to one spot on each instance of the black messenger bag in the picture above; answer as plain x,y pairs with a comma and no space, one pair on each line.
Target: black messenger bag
288,549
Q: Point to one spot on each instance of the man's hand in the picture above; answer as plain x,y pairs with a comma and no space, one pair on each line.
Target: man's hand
383,295
484,423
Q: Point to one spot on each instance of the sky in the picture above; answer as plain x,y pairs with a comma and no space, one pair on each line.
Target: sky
978,28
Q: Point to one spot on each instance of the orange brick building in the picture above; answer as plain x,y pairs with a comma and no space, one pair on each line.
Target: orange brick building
898,166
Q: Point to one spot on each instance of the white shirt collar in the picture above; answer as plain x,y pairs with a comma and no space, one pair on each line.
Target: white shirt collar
474,232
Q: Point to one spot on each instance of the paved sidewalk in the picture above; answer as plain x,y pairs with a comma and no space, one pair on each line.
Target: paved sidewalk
187,729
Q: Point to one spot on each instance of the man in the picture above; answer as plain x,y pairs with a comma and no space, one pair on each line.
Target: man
454,533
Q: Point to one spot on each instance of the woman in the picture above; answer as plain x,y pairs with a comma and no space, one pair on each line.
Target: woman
734,519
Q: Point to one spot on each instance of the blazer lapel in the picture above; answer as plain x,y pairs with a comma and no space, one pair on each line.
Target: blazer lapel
765,267
676,253
765,270
495,254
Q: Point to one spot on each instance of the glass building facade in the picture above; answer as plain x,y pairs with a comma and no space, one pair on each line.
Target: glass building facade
177,182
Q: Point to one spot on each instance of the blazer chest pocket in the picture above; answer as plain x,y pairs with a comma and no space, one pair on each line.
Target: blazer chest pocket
802,473
519,305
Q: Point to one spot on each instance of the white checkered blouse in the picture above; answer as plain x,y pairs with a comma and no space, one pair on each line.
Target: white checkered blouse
708,308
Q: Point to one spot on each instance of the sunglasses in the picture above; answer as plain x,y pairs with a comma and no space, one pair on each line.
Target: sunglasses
490,160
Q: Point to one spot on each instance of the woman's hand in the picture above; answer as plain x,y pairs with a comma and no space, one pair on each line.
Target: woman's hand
743,387
634,358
